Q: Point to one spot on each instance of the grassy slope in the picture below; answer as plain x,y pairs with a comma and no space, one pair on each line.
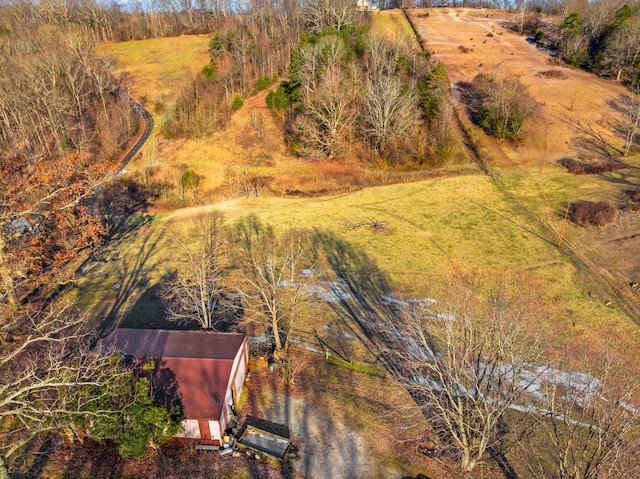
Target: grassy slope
159,67
440,224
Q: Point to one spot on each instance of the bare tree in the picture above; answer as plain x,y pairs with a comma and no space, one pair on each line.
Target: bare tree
45,364
320,14
328,116
441,131
276,272
622,48
631,121
389,111
467,359
198,294
591,426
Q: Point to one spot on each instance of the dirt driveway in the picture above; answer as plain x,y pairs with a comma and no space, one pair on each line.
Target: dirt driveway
329,448
470,41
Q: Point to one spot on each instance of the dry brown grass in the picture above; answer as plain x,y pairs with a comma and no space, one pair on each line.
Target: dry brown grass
580,98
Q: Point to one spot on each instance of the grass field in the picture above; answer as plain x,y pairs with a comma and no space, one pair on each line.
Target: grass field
393,25
438,225
158,68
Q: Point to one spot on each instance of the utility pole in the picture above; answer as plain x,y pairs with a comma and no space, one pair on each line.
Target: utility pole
564,222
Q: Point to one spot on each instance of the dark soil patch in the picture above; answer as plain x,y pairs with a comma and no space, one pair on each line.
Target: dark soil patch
578,166
587,213
553,74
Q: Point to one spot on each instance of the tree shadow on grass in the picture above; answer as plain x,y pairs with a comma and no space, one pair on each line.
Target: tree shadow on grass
131,276
363,298
590,141
148,311
361,293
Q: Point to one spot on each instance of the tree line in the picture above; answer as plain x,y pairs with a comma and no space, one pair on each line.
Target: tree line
63,123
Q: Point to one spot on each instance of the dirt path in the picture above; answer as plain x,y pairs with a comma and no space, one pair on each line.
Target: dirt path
333,441
328,448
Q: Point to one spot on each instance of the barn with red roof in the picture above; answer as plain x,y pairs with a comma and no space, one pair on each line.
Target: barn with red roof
205,370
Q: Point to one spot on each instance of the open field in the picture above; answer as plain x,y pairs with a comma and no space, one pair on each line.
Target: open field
438,225
568,106
578,118
157,69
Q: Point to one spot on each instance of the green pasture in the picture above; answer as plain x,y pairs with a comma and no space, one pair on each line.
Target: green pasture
437,226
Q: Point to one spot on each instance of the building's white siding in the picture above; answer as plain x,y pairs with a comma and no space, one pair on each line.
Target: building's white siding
242,371
214,427
191,429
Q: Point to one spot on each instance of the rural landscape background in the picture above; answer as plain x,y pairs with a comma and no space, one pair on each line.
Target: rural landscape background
426,217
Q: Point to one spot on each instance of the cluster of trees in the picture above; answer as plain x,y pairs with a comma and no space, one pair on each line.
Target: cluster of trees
248,50
62,123
343,84
247,276
500,104
603,37
482,375
113,21
347,85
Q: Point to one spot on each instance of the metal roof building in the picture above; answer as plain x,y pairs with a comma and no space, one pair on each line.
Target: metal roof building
205,370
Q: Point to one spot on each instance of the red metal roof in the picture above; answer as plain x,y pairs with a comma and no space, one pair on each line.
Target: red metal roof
199,361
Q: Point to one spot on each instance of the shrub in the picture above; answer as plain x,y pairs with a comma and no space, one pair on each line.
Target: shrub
265,82
278,99
553,74
588,213
210,72
463,49
237,102
538,36
634,195
584,167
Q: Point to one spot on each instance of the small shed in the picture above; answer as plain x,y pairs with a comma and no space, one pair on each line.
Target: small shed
264,437
204,369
